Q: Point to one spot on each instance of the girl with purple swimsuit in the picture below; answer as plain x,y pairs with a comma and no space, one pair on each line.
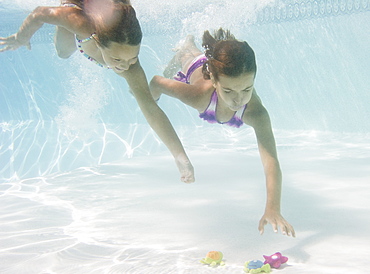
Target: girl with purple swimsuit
108,34
220,85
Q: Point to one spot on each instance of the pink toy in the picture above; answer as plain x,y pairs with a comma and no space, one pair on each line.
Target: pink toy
275,260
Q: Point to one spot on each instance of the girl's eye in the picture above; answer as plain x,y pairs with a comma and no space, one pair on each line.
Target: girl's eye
227,91
117,59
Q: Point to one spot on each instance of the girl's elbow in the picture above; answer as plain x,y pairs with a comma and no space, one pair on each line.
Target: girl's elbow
35,15
37,12
41,14
273,164
154,81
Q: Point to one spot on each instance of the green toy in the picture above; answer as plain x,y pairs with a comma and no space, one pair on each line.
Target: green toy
213,258
256,266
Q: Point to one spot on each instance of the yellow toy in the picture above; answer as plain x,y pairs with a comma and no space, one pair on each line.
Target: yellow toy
213,258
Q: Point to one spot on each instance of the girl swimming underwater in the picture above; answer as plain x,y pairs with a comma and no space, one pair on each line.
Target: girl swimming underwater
220,85
107,33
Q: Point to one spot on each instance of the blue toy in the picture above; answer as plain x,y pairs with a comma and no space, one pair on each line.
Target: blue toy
256,266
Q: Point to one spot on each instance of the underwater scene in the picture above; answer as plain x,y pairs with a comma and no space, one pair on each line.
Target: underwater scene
87,186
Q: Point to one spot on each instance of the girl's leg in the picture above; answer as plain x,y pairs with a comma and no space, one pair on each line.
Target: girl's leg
65,42
184,56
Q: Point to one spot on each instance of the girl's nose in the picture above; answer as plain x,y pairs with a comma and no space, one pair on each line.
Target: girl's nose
238,99
124,65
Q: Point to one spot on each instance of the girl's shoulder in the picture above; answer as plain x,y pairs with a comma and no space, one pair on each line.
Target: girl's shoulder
255,113
201,94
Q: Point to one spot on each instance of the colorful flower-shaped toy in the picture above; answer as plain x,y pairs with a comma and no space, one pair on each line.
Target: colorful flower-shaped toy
275,260
213,258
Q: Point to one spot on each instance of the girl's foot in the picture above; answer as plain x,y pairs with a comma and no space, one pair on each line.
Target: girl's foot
186,51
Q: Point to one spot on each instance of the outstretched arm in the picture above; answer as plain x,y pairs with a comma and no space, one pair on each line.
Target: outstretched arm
157,119
70,18
259,119
191,95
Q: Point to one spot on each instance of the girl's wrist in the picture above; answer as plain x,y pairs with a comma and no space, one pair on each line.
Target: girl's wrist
18,38
181,156
272,208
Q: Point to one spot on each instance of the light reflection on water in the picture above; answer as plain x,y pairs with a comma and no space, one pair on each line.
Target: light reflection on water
134,216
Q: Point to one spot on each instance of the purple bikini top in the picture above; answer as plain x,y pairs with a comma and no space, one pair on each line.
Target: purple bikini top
209,114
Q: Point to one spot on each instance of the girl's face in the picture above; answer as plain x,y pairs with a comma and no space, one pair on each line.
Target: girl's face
120,57
235,92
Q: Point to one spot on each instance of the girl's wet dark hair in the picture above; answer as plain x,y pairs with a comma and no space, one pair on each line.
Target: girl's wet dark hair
226,55
115,21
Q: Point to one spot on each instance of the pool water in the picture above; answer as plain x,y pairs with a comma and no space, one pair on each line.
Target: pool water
87,187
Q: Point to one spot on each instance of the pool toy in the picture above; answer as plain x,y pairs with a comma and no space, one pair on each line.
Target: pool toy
256,266
275,260
213,258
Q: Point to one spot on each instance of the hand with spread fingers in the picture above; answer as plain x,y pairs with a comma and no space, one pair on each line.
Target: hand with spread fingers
12,43
277,222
